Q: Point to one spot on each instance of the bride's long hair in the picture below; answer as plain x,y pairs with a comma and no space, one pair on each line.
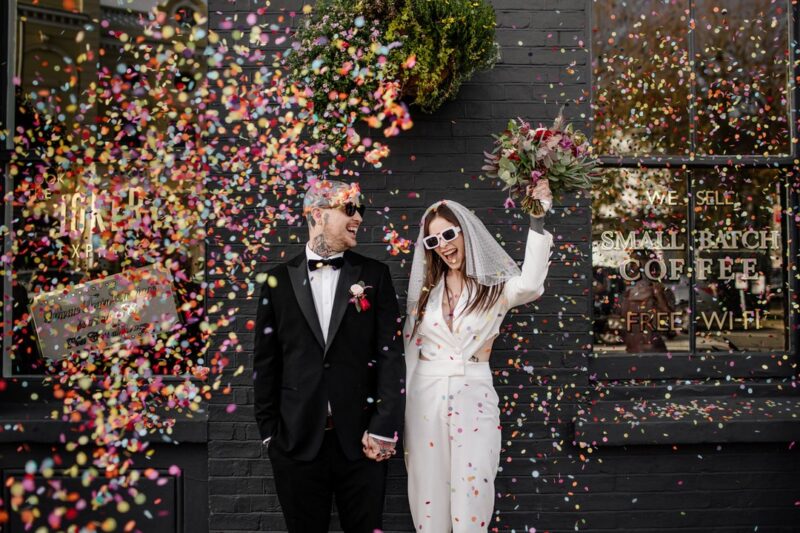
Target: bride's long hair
436,268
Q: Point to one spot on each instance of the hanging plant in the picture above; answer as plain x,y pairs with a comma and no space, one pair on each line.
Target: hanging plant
341,60
446,42
354,60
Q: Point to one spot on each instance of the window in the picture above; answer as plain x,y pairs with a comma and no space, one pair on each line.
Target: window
106,189
692,105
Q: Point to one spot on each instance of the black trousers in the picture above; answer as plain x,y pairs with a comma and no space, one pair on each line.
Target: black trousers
306,489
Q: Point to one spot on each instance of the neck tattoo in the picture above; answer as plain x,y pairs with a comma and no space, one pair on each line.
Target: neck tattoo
320,246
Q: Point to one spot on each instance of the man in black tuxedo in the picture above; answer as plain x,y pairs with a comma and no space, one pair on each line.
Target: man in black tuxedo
329,371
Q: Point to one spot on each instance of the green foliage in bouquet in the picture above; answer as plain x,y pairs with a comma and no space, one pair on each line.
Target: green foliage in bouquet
449,40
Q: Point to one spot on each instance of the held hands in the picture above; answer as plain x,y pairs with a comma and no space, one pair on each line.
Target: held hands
541,191
376,449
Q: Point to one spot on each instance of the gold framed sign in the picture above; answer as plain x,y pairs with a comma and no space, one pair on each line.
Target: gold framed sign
123,309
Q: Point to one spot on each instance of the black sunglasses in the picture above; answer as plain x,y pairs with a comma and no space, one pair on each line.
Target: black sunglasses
350,209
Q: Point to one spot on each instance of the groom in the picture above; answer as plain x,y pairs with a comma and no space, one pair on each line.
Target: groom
329,371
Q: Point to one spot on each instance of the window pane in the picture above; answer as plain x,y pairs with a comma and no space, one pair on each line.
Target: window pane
41,263
742,60
123,195
639,256
641,77
741,71
739,261
50,78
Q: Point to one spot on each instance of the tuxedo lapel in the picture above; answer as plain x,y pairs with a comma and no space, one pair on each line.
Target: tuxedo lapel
351,270
298,273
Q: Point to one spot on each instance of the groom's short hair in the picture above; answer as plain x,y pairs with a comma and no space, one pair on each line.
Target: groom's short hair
319,194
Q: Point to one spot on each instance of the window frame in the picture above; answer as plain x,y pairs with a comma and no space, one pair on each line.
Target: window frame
7,21
692,364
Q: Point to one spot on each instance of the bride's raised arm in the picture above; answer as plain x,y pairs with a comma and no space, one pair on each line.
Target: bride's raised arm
529,285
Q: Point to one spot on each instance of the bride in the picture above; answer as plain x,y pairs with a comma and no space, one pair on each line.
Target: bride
462,284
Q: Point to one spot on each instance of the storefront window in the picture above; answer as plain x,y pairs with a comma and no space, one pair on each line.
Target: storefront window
681,77
739,261
640,256
641,74
101,210
692,113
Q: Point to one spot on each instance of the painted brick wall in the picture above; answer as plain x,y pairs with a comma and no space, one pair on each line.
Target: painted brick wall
544,484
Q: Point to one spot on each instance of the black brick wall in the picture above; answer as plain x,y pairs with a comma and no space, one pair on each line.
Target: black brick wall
737,487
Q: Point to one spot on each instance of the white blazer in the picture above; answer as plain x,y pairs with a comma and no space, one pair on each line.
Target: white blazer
472,330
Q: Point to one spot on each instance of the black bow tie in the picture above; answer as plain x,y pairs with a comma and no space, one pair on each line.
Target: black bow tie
335,263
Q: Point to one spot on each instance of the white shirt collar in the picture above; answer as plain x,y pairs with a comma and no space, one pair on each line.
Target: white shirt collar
311,254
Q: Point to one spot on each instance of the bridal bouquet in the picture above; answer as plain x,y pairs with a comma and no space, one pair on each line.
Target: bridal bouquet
523,155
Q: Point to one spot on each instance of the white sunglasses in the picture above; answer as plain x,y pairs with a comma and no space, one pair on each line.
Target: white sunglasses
447,235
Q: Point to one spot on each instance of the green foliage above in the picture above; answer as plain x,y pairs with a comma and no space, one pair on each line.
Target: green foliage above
341,63
449,40
431,47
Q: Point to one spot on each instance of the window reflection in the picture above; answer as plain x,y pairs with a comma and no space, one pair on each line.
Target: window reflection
644,284
742,58
641,77
84,216
739,261
691,78
639,253
646,86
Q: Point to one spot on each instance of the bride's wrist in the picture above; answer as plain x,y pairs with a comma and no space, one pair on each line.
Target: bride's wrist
537,224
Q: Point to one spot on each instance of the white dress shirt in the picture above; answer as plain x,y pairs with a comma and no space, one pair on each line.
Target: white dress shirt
323,288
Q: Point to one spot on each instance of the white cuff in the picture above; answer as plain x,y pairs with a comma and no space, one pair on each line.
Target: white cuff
378,437
266,441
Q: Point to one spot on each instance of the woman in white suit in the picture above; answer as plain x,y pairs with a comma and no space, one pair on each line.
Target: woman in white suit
462,285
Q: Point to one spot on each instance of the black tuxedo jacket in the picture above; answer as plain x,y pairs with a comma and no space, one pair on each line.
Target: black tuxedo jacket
360,370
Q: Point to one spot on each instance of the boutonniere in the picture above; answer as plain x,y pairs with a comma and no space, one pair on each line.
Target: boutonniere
359,293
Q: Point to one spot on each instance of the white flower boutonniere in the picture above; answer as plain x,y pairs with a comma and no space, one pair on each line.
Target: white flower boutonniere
359,296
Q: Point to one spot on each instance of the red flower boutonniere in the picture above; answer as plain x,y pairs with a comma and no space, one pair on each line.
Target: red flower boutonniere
359,299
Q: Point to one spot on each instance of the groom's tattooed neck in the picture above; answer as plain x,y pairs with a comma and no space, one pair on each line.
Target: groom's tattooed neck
320,246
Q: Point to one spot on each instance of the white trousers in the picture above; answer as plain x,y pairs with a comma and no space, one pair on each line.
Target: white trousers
452,445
